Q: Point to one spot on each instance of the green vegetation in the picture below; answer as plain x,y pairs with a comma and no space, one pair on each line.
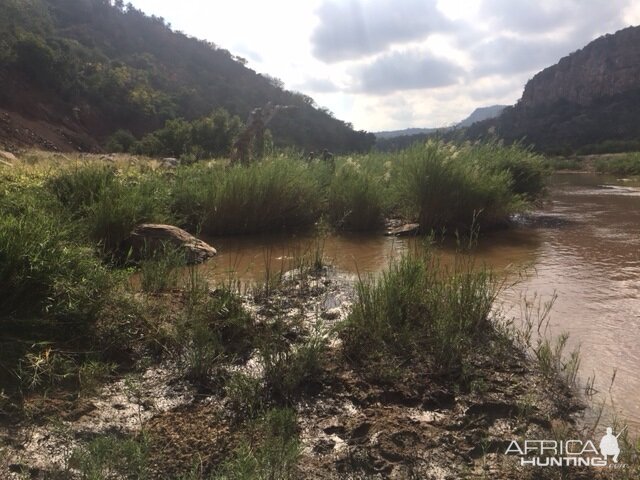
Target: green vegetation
562,163
275,454
441,187
419,310
206,137
620,165
54,222
112,457
269,196
111,69
608,124
356,199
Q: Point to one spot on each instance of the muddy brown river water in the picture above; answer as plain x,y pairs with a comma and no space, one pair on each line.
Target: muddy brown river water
583,246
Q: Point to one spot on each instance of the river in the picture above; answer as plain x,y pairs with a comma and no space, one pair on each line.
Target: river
582,246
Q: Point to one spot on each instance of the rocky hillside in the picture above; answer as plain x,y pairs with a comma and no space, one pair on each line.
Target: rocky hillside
72,72
608,66
586,103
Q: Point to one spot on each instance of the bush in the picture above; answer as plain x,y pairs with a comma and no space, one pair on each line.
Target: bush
121,141
79,187
269,196
440,190
35,58
419,310
42,272
355,199
625,165
207,137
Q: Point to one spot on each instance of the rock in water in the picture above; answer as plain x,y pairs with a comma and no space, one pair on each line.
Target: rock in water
404,230
151,236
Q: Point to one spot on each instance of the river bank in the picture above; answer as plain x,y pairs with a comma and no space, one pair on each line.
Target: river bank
350,421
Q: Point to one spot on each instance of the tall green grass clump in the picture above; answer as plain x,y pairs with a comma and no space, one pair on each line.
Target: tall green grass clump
214,327
439,190
44,272
80,186
625,165
355,199
268,196
122,206
420,310
273,456
112,457
106,204
525,168
159,270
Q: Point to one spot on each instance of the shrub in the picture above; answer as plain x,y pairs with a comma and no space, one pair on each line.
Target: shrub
121,141
268,196
625,165
419,310
355,199
206,137
440,190
43,272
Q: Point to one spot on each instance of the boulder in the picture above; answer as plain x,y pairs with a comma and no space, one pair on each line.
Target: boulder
151,236
404,230
7,158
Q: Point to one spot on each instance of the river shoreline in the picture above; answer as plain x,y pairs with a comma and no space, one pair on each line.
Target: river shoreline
350,425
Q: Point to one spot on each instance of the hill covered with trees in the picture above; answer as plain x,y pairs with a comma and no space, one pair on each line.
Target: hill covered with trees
74,72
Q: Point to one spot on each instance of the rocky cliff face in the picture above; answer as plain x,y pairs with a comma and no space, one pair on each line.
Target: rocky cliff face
588,102
607,66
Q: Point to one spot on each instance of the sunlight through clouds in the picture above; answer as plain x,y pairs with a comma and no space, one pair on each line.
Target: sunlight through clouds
352,56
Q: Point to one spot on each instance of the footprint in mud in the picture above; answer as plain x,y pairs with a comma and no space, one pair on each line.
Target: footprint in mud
324,446
338,430
405,438
360,432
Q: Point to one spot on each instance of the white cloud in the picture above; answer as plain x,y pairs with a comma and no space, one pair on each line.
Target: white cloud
391,64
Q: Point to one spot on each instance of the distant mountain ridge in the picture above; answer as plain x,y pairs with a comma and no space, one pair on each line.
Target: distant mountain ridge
479,114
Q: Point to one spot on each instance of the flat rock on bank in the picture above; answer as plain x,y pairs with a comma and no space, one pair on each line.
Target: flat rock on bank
152,236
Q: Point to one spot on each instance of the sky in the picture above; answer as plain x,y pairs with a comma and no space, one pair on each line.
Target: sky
394,64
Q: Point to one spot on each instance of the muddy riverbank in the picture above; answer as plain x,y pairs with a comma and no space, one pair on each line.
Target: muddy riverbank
351,424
